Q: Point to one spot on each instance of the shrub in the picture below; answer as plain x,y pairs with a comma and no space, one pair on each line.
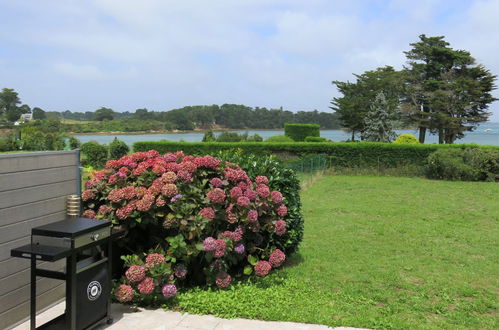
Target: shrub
236,137
279,139
341,155
191,220
298,132
118,149
463,164
209,137
74,143
315,139
406,139
281,178
94,154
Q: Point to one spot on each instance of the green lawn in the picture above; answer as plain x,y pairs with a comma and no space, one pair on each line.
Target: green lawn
380,252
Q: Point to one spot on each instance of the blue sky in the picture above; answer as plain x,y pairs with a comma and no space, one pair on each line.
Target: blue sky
162,54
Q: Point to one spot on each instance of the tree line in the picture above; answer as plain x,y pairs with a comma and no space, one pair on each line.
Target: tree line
440,90
230,116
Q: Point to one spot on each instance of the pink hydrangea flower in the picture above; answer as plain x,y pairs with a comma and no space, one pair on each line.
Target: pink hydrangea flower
169,177
235,175
239,249
160,202
124,293
251,194
169,290
261,179
216,195
210,244
154,259
217,182
87,194
207,213
236,192
252,215
184,175
105,209
262,268
243,201
135,273
220,249
125,211
280,227
169,190
282,210
89,214
223,280
276,197
146,286
145,203
263,191
276,258
180,271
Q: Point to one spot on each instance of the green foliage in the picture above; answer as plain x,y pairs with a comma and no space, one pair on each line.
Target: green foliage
104,114
118,149
282,179
298,132
406,139
469,164
39,113
315,139
379,121
118,125
94,154
209,137
9,142
227,136
341,154
279,139
74,143
38,138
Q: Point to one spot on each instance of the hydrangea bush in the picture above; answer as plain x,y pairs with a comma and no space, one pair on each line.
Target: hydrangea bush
190,220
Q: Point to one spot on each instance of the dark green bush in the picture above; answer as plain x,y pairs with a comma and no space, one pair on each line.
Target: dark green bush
471,164
279,138
298,132
341,155
118,149
282,179
315,139
74,143
236,137
94,154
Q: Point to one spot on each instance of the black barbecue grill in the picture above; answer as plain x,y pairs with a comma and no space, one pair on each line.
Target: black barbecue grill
86,245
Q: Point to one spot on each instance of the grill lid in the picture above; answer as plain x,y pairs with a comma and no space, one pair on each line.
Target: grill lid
72,227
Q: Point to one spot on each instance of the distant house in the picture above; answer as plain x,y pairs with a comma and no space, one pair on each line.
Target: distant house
24,117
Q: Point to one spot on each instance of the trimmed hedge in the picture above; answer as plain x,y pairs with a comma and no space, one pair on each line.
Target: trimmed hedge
298,132
315,139
341,154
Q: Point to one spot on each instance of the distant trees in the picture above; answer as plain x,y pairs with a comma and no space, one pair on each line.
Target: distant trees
39,113
441,90
9,99
104,114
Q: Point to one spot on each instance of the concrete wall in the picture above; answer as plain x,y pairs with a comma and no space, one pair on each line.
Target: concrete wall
33,192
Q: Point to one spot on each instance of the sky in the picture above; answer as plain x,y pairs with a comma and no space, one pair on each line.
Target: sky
162,54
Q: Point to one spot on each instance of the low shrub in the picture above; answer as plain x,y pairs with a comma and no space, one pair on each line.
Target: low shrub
341,154
234,137
470,164
298,132
118,149
406,139
315,139
74,143
94,154
191,220
279,139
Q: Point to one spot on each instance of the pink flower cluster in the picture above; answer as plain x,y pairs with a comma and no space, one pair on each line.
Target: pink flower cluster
217,195
262,268
154,259
146,286
135,273
280,227
223,280
124,293
207,213
169,290
276,258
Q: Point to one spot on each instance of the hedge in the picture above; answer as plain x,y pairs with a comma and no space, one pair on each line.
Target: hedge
341,154
298,132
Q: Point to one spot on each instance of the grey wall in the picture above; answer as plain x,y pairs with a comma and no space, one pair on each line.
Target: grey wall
33,192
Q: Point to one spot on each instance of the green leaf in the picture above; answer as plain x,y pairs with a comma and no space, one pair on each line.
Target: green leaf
252,260
248,270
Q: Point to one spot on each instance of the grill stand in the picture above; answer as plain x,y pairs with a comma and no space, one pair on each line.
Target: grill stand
37,252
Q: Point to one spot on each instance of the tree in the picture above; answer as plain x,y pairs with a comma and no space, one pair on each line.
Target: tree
39,113
357,97
9,99
378,121
104,114
445,91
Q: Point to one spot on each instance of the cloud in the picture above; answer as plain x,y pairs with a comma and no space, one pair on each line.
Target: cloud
162,54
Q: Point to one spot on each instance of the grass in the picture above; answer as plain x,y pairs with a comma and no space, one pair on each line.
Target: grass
380,252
